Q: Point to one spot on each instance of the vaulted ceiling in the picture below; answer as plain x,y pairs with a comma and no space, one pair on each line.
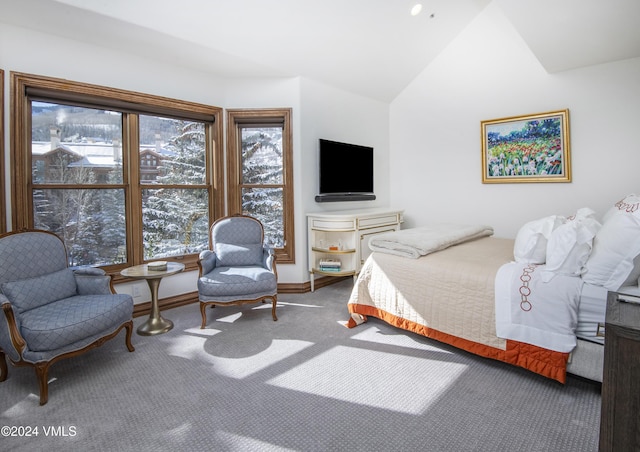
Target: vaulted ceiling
370,47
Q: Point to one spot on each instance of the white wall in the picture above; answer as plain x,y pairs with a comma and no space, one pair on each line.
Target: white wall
275,93
318,111
488,72
338,115
334,114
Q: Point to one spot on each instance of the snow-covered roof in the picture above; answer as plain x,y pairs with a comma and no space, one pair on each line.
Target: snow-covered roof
94,154
93,161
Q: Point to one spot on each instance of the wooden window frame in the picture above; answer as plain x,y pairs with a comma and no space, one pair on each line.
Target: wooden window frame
24,87
236,118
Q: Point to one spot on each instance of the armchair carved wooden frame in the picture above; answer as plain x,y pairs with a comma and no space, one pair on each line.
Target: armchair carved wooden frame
52,312
239,268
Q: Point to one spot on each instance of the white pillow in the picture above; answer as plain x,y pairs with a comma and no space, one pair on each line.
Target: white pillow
634,277
570,245
628,204
531,242
615,247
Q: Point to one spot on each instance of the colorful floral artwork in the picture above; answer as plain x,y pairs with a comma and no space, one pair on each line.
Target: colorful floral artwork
532,148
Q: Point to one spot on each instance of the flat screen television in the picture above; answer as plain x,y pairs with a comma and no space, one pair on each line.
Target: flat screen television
346,172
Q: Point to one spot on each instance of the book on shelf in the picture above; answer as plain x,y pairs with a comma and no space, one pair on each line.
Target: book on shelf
330,265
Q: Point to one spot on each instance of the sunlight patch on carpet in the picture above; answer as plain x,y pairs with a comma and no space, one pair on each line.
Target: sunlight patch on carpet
244,367
189,347
237,442
19,409
179,433
382,380
193,348
202,332
230,318
374,334
301,305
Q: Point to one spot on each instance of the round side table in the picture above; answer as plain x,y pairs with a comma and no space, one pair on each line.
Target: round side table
156,324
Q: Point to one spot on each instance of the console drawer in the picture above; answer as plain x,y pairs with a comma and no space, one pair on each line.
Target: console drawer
333,225
373,222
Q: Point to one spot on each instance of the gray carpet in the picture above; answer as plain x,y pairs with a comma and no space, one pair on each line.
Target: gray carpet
303,383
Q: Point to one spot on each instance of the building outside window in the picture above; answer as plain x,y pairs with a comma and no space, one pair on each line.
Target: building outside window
122,180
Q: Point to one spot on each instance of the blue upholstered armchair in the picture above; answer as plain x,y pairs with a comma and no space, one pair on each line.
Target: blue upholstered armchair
50,311
239,268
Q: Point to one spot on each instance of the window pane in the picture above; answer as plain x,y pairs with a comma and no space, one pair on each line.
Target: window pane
75,145
265,204
90,222
175,221
262,155
172,151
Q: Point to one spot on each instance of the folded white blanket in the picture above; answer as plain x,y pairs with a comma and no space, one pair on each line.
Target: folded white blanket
416,242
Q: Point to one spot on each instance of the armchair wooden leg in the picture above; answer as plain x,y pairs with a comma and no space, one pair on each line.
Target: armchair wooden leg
203,312
42,374
273,309
127,340
4,370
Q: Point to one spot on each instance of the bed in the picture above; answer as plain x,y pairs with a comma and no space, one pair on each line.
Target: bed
457,289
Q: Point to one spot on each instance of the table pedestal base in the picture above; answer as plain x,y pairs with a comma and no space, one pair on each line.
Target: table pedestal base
155,326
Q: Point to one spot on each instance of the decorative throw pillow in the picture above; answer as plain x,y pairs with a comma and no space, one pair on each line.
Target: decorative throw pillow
93,285
616,247
531,242
31,293
229,255
570,245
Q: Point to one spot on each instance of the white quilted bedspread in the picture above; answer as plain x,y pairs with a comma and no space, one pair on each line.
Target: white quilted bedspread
451,290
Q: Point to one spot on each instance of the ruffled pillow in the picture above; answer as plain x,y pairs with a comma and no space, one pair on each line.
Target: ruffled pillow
570,245
531,242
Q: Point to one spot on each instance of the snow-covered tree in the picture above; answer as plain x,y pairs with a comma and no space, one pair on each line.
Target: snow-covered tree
262,166
175,217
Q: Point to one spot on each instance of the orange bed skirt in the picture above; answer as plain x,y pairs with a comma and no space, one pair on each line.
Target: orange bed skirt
548,363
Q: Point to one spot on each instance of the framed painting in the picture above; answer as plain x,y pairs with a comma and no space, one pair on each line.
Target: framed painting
531,148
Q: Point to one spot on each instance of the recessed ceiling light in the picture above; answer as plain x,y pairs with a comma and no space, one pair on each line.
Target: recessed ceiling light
416,9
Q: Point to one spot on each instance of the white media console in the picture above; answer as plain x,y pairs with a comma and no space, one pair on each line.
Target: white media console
338,242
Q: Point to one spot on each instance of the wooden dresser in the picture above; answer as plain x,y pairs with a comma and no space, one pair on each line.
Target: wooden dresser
620,417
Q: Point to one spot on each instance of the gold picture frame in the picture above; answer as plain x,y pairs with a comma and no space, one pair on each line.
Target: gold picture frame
529,148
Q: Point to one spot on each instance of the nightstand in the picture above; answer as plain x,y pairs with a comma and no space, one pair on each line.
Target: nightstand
338,242
619,420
